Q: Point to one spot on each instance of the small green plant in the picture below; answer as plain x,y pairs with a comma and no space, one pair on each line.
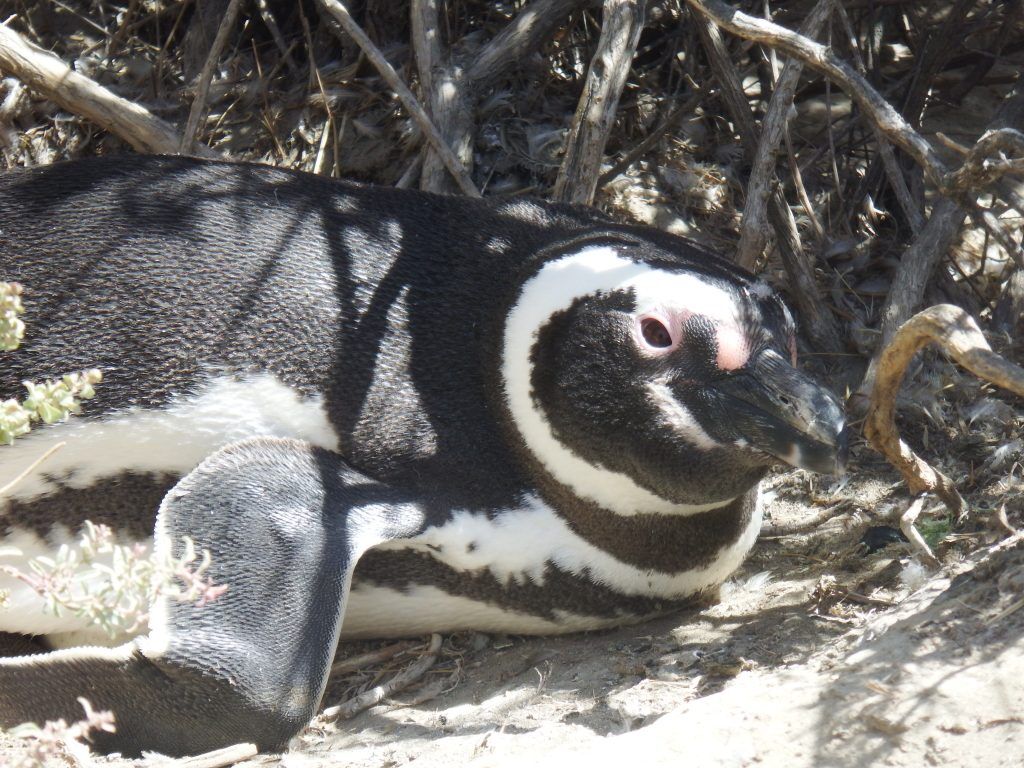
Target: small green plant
12,329
48,402
113,585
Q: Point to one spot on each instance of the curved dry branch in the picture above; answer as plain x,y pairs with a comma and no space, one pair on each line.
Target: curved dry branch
957,333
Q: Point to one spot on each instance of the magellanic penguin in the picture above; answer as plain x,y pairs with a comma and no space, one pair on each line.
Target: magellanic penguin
439,414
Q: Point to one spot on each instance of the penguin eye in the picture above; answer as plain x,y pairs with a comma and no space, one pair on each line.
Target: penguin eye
655,333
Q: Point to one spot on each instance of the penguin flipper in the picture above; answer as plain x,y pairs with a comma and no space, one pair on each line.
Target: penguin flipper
285,524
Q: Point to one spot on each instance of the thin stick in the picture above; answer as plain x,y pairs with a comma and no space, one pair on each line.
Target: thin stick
917,542
352,663
654,137
377,694
218,758
338,10
754,226
206,76
275,32
32,467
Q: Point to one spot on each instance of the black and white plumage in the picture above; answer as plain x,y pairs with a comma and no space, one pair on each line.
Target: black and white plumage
515,416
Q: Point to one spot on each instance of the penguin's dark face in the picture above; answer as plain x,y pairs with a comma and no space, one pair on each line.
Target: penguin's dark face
652,387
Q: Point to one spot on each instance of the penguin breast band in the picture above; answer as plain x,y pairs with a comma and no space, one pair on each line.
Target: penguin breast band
384,413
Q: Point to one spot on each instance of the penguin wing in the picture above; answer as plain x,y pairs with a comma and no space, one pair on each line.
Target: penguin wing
285,524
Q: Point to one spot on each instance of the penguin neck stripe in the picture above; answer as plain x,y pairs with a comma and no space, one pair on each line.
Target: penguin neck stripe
554,288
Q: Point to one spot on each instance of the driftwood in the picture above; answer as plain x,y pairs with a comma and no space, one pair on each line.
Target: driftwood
621,23
45,73
958,334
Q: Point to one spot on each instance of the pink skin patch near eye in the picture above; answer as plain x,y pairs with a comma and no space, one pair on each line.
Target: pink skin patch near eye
733,349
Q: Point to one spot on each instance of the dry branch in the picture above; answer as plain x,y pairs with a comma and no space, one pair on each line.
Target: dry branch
754,226
219,758
957,333
817,319
621,23
206,76
526,33
454,89
340,13
820,58
45,73
444,88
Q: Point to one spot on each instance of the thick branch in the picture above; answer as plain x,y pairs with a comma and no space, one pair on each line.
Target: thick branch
621,23
340,13
45,73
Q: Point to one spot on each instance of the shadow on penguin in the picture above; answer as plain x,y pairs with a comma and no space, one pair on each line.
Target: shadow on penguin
384,413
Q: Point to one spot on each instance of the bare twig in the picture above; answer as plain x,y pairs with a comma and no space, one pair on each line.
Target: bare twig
525,34
917,542
206,76
645,146
957,333
621,23
31,468
340,13
352,663
45,73
275,32
377,694
454,87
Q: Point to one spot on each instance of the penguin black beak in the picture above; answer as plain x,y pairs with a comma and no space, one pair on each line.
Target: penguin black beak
783,412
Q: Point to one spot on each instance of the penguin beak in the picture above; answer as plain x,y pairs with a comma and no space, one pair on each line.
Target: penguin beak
781,411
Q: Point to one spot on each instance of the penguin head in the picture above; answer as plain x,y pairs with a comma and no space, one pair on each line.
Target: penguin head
647,381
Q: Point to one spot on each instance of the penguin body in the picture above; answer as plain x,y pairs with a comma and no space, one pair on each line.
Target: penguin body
393,413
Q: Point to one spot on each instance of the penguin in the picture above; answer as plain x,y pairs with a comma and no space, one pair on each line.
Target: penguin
384,413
